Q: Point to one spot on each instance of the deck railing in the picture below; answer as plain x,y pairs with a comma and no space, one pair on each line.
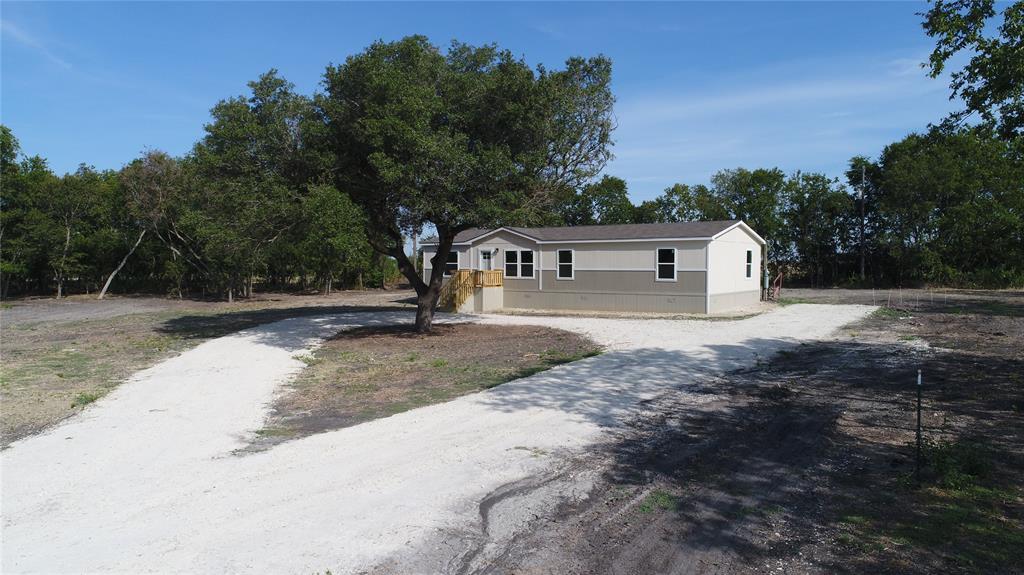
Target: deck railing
489,278
456,290
460,286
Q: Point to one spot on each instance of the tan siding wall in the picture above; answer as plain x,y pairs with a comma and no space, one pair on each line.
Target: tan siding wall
627,255
625,282
728,263
429,251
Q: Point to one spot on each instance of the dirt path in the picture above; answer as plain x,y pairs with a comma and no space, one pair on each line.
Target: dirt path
146,479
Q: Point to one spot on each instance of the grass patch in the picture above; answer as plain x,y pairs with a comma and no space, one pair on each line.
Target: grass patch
85,398
885,312
961,512
375,372
659,500
784,301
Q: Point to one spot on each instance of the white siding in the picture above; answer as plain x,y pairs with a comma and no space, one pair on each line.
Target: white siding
729,263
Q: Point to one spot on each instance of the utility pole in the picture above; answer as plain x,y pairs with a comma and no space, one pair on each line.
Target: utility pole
861,194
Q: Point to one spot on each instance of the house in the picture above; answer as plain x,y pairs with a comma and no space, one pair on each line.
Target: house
686,267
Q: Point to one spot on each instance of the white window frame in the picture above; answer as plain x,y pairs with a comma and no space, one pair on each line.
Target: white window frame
658,264
519,264
571,264
749,265
446,263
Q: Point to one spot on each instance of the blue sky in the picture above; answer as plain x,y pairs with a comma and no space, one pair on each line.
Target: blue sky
700,86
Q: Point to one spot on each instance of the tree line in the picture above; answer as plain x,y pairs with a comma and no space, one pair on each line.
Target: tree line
251,203
945,207
287,191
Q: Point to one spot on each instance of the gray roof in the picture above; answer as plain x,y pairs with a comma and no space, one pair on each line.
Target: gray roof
611,232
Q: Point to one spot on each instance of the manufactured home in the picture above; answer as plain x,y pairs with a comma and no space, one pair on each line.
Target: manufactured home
686,267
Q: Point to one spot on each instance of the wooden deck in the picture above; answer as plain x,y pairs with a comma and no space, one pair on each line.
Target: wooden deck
460,287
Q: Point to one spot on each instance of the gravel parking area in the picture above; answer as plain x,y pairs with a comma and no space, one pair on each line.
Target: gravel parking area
147,478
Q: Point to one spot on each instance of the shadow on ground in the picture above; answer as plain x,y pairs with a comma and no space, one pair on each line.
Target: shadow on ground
800,465
200,326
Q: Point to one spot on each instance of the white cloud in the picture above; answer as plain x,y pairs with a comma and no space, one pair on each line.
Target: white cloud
23,37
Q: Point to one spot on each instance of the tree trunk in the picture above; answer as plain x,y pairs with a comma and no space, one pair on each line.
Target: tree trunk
426,303
63,261
110,278
231,295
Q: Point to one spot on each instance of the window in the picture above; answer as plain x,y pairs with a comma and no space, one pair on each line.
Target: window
518,264
511,264
750,263
452,265
666,264
526,264
565,265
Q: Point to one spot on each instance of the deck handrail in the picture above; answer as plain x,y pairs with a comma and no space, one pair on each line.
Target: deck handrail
489,278
457,290
460,286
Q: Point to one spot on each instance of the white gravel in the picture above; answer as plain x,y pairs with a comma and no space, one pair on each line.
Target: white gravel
145,480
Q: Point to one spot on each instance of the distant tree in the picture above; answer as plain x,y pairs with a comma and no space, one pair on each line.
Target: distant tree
818,219
757,197
12,210
254,164
334,241
992,83
953,208
159,196
449,141
602,202
684,203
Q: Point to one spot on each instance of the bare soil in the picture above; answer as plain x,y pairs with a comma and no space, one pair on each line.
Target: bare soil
805,464
61,355
368,373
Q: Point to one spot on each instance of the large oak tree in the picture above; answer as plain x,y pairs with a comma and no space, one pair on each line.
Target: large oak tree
459,139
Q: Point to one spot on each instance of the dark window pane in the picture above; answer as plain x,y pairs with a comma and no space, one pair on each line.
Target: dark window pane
450,269
511,257
564,256
666,271
526,257
565,271
526,270
666,256
750,256
511,270
453,258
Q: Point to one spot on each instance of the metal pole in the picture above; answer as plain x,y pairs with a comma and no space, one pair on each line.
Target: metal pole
862,180
917,464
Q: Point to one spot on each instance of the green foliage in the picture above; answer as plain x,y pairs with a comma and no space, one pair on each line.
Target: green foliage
603,202
659,500
957,465
952,205
470,137
85,398
991,85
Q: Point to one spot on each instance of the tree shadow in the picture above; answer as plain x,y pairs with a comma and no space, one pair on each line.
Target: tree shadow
203,326
777,462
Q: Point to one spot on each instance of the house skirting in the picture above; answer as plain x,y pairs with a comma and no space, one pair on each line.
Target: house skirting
620,302
721,302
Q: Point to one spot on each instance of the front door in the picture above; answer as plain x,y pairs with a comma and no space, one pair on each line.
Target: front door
485,260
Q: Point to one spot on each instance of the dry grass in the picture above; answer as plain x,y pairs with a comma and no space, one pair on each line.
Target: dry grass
369,373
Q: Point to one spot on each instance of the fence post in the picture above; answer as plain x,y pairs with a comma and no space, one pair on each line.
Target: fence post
917,463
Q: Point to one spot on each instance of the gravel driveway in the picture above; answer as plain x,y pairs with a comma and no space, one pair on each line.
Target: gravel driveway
146,480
